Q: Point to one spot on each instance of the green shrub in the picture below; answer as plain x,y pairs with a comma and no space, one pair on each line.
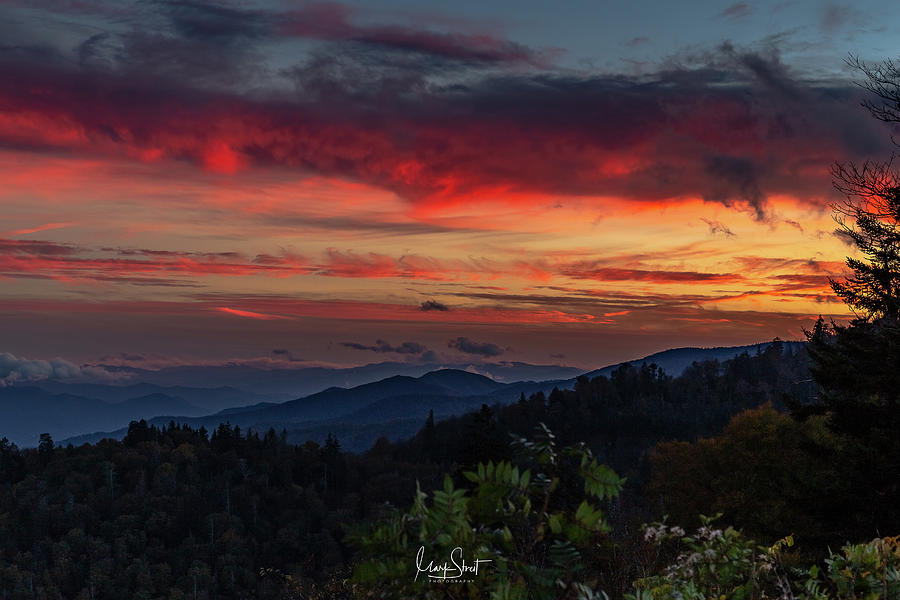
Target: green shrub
721,564
536,521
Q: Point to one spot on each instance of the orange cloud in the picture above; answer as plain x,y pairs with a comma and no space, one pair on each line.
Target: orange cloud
29,230
250,314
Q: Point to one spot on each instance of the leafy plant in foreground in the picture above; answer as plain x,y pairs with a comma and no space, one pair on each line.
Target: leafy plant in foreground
535,520
722,564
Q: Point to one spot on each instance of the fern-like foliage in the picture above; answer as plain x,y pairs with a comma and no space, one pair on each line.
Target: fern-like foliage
537,528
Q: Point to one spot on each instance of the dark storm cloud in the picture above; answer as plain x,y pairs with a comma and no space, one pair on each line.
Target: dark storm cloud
217,23
467,346
382,346
183,27
433,305
731,179
410,111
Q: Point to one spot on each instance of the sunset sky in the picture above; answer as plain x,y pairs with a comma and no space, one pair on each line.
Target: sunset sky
570,183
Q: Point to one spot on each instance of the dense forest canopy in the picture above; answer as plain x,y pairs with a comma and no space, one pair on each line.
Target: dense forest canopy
171,510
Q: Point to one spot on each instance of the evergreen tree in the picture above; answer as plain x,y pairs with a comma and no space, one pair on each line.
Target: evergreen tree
45,446
869,218
429,443
855,365
872,205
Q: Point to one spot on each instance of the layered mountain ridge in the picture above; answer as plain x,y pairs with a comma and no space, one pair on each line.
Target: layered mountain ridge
394,407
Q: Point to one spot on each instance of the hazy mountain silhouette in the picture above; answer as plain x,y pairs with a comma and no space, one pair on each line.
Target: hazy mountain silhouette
69,409
676,360
337,402
294,382
397,406
207,399
26,412
373,406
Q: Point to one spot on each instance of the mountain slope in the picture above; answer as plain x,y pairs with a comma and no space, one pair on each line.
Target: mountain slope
336,402
26,412
297,381
206,399
398,405
447,391
676,360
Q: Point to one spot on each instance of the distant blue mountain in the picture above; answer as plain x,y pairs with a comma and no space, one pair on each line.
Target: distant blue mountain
26,412
446,391
206,399
397,406
68,409
336,402
676,360
297,381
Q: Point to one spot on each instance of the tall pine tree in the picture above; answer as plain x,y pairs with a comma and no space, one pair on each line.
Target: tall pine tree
857,366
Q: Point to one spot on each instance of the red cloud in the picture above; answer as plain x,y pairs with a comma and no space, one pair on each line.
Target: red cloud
20,258
66,262
39,228
536,134
250,314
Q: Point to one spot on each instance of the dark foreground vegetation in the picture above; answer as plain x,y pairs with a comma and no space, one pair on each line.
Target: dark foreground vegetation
173,511
179,513
797,451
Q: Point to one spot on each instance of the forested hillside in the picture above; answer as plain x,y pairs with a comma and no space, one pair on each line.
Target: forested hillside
171,510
